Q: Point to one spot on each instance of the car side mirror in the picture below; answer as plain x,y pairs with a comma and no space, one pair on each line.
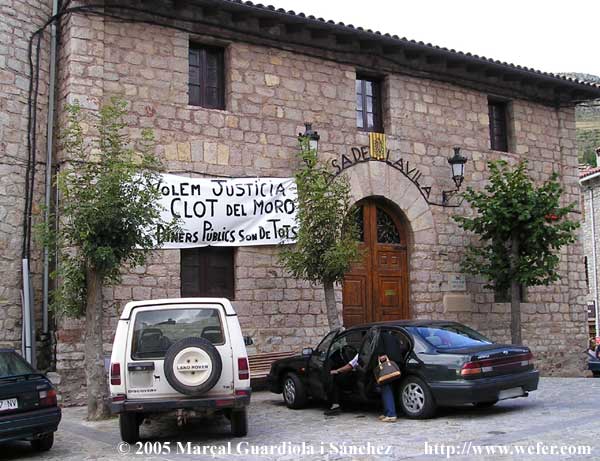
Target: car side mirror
307,351
248,341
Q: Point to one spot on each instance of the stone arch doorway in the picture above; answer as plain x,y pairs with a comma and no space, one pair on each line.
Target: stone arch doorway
376,288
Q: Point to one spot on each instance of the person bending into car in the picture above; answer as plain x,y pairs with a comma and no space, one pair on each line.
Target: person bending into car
336,382
387,394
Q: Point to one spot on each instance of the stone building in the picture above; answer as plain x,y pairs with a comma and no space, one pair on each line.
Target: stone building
589,178
227,86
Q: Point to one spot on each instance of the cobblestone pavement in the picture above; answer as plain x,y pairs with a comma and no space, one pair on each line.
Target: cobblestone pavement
563,413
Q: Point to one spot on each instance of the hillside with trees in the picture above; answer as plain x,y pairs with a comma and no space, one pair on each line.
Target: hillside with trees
588,123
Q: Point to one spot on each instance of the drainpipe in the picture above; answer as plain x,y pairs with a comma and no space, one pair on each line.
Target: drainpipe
49,140
28,339
594,261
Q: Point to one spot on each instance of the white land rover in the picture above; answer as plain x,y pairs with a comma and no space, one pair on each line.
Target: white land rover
186,357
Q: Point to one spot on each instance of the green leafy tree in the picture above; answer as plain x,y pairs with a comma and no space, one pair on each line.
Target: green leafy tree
108,216
521,228
327,241
587,143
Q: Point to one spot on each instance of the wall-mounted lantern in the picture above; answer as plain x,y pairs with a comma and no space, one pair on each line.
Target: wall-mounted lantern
313,137
457,163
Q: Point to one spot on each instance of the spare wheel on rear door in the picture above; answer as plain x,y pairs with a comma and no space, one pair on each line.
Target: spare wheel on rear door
192,366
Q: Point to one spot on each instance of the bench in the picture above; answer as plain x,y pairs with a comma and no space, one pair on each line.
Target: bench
260,364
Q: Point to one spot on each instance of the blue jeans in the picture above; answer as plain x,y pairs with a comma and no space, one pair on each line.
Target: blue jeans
387,397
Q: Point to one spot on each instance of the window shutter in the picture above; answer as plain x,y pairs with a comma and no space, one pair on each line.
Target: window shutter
195,77
206,77
498,134
207,272
190,273
214,79
219,272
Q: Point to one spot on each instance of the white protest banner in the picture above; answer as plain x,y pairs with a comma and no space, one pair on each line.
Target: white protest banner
228,212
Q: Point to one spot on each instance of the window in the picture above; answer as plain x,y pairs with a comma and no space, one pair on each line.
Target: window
12,364
498,125
368,105
206,81
346,346
359,222
321,351
587,273
450,336
387,232
155,331
207,272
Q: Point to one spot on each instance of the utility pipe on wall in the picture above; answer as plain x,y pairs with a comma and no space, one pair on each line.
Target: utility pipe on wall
49,156
28,318
594,260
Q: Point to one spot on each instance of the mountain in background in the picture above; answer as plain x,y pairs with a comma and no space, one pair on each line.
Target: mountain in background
588,123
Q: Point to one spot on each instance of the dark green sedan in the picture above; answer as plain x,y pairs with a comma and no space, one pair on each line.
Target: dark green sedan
28,406
443,364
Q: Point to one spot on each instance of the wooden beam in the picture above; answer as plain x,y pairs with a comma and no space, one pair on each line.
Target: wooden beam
433,59
268,23
210,12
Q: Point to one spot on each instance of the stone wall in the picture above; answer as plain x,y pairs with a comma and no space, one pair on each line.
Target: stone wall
270,92
18,20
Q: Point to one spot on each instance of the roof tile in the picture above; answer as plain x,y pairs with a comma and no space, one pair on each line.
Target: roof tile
428,45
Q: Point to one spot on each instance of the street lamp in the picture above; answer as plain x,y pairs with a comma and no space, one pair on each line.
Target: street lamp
313,137
457,164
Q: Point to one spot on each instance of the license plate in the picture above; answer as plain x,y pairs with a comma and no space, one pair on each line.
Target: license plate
9,404
510,393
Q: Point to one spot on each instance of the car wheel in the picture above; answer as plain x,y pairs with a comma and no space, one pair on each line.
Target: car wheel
294,394
192,366
416,399
489,404
44,443
239,423
129,425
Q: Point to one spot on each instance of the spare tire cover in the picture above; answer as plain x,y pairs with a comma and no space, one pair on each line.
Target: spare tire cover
192,366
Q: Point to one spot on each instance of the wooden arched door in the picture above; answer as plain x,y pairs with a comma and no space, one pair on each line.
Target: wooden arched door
376,288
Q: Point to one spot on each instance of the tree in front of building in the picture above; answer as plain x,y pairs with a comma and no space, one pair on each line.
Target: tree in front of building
108,213
521,227
327,242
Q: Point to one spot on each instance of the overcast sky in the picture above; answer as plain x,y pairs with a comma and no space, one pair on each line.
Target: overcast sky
549,35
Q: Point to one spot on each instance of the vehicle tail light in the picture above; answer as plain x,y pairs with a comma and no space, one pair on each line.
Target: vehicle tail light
471,368
119,398
48,398
528,359
115,374
483,366
243,369
242,392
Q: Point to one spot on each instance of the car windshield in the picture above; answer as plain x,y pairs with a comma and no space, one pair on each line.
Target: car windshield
12,364
155,331
450,336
